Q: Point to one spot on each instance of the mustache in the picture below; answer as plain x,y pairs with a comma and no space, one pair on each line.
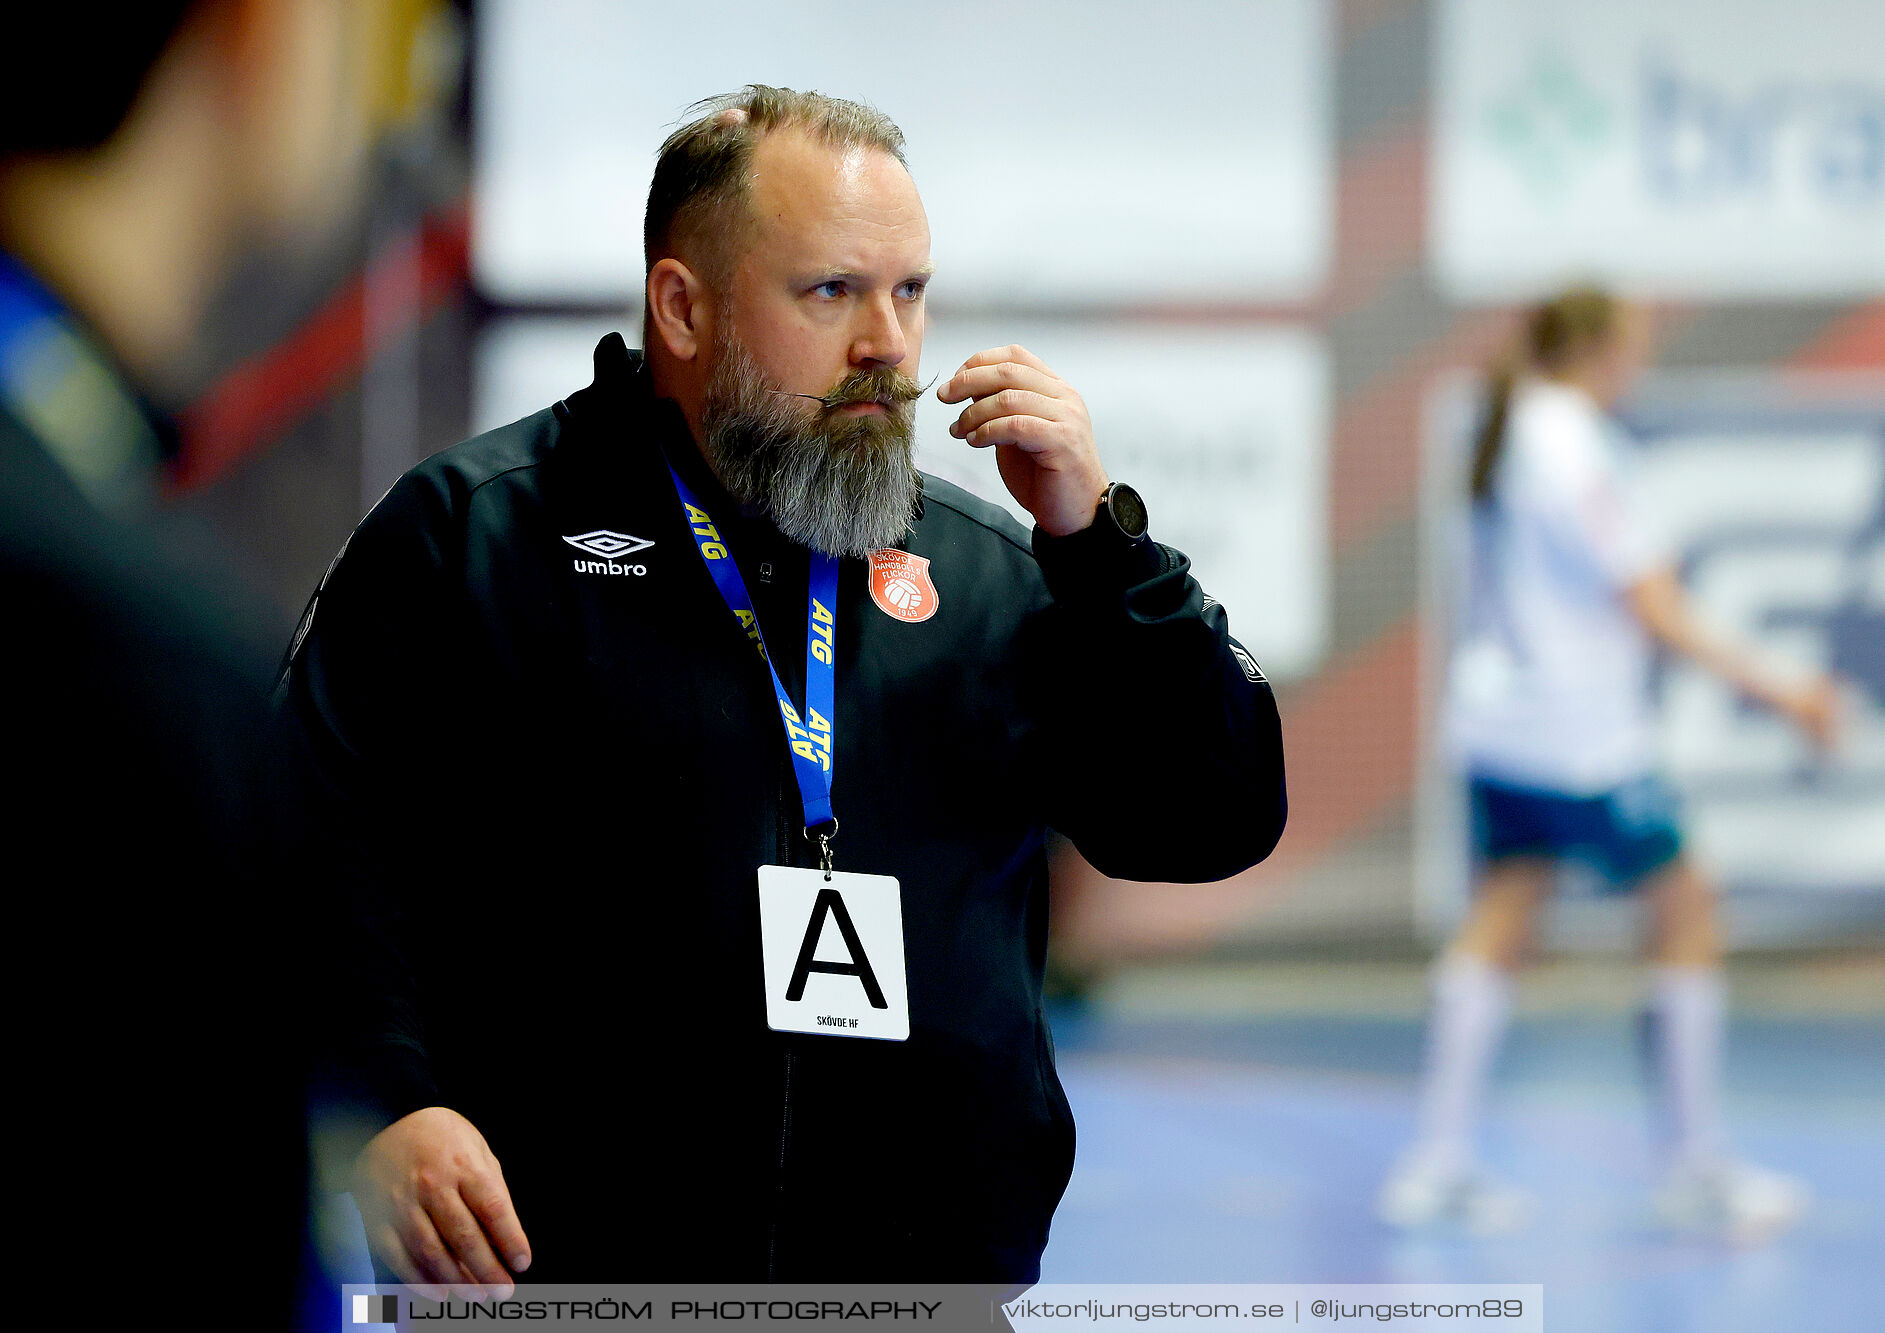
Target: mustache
885,384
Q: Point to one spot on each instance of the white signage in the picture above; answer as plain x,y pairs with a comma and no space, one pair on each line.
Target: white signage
1779,512
1222,429
1066,152
1681,148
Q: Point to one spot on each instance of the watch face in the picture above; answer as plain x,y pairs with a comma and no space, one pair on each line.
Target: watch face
1128,510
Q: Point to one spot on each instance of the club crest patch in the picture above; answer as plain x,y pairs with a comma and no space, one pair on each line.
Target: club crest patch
901,586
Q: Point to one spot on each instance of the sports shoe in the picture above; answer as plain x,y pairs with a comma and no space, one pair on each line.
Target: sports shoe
1426,1187
1743,1202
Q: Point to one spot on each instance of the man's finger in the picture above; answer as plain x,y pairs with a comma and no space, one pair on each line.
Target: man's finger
392,1251
980,381
988,371
1030,434
1011,352
490,1203
436,1263
1007,403
460,1231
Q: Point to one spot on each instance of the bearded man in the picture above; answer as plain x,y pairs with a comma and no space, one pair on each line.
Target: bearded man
694,753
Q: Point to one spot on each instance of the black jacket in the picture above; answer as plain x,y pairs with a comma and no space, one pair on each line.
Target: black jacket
141,835
560,782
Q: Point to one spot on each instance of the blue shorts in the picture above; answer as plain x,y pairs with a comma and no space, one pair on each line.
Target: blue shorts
1624,834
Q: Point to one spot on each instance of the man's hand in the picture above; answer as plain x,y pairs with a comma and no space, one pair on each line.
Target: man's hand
1042,436
436,1208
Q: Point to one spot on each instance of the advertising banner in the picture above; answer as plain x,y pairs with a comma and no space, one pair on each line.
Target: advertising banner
1062,156
1677,148
1224,430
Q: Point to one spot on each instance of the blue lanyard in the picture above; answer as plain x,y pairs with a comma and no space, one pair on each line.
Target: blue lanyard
810,736
73,403
22,300
28,315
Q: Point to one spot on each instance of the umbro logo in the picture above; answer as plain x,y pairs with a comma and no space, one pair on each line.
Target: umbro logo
610,546
1247,662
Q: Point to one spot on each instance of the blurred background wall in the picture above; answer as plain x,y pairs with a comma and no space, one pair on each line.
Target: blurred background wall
1270,241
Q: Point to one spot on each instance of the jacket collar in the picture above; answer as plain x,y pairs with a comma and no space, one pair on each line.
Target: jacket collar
620,405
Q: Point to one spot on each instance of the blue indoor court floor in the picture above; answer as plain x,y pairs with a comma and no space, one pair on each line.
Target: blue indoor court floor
1234,1126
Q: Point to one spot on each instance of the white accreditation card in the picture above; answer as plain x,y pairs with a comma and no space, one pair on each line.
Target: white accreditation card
834,953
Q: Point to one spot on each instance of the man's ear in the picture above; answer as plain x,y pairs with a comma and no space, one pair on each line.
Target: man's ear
679,308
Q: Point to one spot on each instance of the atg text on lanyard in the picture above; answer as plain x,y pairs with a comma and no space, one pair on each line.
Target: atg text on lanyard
810,736
864,993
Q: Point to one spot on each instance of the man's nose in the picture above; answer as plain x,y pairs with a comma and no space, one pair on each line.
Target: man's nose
879,339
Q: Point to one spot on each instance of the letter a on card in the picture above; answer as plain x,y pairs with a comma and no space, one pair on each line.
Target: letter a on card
833,953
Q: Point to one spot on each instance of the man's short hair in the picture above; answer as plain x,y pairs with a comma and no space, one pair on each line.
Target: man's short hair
698,200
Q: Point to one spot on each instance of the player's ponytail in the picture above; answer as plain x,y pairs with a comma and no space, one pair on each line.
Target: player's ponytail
1557,336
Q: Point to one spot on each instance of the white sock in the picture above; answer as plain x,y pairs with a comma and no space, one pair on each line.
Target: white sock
1471,1001
1690,1008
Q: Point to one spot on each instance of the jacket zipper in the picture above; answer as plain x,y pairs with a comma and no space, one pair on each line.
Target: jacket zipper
785,1136
790,832
786,858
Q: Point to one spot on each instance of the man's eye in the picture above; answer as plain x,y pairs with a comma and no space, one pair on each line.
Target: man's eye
913,290
830,290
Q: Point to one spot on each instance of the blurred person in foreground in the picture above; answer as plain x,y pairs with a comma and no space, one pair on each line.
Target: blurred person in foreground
586,789
1550,714
159,1055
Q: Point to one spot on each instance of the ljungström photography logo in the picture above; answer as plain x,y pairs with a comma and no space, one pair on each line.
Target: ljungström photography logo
376,1309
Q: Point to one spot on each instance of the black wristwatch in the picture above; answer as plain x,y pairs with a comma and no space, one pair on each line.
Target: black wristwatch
1122,513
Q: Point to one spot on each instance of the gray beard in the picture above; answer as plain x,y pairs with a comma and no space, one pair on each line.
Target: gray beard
844,485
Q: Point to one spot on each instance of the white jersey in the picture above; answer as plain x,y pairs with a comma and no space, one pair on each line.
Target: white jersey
1549,685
